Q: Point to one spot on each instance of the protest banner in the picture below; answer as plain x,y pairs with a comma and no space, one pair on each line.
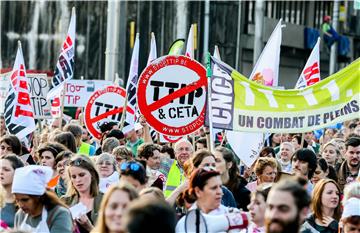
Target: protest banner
256,108
77,92
4,88
104,105
172,95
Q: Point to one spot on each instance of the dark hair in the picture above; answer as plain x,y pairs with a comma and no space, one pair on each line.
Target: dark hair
298,192
63,155
169,150
307,156
13,142
354,220
116,133
15,161
325,167
234,172
202,140
352,141
134,169
298,140
148,150
267,151
67,139
263,190
107,126
199,156
76,130
50,200
54,147
199,179
148,214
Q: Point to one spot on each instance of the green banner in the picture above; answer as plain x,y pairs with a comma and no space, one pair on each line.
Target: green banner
242,105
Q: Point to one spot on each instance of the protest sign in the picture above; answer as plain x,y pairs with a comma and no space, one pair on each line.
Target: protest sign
4,88
77,92
172,95
104,105
256,108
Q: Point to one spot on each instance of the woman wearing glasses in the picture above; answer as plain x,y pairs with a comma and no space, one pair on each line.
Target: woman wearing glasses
265,170
83,190
134,173
62,162
106,166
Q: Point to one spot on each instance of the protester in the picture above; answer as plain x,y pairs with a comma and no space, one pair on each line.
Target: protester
82,147
118,134
47,153
323,170
108,172
267,152
8,165
350,219
201,143
325,206
134,173
230,176
349,169
287,206
309,138
133,142
265,170
167,152
122,154
67,139
351,190
2,125
62,162
296,141
10,144
83,187
152,192
40,211
304,164
174,169
285,153
112,208
331,154
109,144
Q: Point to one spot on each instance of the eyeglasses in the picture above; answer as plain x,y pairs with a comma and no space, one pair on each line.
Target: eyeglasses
186,149
104,162
133,166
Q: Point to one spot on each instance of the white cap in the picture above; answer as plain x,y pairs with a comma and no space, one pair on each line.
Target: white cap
31,180
138,126
351,208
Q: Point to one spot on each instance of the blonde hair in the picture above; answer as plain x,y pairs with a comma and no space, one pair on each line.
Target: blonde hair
351,190
262,163
101,224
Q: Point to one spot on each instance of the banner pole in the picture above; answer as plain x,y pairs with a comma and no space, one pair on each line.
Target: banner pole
302,140
62,105
122,121
208,75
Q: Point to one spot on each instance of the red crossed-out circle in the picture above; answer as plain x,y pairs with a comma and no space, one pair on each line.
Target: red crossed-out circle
91,120
146,109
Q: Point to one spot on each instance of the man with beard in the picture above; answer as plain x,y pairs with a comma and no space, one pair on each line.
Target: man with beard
349,169
287,206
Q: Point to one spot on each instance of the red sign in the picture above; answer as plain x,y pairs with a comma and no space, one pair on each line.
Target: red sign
104,105
172,95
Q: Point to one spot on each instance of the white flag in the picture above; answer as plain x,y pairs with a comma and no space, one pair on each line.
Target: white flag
311,71
190,43
153,53
131,89
65,66
266,70
19,115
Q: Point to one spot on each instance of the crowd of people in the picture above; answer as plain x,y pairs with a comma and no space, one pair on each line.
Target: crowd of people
63,180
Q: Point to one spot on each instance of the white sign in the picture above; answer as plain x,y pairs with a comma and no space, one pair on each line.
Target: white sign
77,92
4,88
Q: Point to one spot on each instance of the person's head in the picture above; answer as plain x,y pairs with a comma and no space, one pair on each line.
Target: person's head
113,206
267,152
304,163
57,123
48,152
331,153
29,188
122,154
275,139
327,18
76,130
109,144
167,151
151,154
152,192
286,151
265,169
296,142
350,219
134,173
225,161
67,139
205,188
106,165
82,177
286,207
62,162
10,144
8,165
257,205
118,134
2,125
352,154
340,144
321,171
201,143
149,215
351,190
308,137
326,195
183,151
203,158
